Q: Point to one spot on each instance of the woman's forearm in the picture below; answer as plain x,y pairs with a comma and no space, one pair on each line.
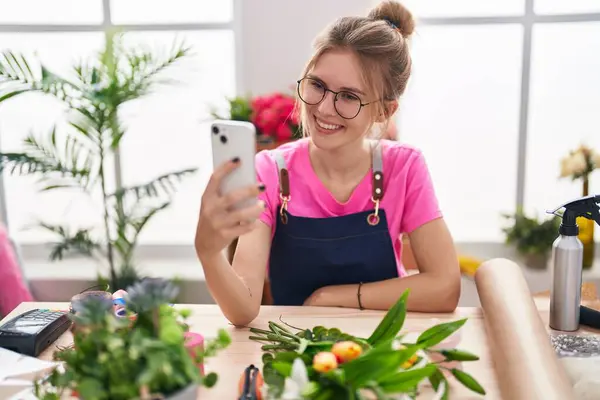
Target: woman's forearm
229,290
429,292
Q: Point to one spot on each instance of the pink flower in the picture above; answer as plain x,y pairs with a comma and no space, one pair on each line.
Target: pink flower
284,132
272,114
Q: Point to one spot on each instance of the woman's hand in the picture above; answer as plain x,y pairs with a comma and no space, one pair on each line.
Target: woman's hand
219,223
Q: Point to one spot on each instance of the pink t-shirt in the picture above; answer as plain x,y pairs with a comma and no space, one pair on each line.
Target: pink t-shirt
409,198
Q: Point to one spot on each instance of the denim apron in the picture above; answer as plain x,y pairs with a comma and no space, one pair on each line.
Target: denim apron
310,253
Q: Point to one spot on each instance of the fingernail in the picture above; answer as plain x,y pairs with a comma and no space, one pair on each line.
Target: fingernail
261,187
235,160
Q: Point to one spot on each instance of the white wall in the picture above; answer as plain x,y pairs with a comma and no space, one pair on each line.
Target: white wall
277,37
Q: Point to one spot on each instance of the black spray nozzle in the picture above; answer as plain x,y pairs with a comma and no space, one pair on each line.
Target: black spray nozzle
587,207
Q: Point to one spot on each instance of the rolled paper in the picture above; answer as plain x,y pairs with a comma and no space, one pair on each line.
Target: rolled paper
525,364
194,342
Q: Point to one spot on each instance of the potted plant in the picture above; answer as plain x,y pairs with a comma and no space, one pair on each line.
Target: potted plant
76,157
578,164
125,358
325,363
532,237
274,115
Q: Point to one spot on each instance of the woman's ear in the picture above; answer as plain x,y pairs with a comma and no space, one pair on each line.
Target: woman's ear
389,108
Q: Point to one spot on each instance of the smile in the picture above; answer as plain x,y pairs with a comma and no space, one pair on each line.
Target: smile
327,126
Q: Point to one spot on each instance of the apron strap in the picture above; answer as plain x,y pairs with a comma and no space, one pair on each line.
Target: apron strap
377,192
284,184
284,179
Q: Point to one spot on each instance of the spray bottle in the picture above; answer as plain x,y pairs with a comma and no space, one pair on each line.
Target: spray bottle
567,266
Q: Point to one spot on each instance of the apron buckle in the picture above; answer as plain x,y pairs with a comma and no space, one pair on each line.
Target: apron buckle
285,200
373,218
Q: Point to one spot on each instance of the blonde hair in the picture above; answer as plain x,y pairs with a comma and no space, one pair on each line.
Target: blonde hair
380,41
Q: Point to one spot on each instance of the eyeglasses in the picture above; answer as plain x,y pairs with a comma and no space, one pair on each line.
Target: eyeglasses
346,104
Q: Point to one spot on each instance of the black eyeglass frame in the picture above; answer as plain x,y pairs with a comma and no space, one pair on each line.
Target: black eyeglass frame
325,90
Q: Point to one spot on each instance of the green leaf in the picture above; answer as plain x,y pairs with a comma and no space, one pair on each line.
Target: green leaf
391,323
458,355
467,380
436,334
58,164
337,375
267,357
405,381
210,379
78,242
303,345
14,93
283,368
373,365
162,186
436,379
90,388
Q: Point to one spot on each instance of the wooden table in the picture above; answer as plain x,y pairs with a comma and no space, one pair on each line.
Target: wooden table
230,363
524,367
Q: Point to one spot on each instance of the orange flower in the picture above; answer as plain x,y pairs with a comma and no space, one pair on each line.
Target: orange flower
411,361
324,361
346,351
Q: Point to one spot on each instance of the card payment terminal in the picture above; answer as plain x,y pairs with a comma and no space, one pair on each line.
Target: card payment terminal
33,331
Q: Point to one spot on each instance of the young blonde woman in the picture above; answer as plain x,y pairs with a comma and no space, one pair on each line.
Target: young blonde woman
333,206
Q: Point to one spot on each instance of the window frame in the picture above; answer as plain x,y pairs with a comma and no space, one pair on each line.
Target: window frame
233,25
528,19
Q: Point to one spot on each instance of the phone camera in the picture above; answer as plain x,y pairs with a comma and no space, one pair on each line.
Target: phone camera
215,130
223,139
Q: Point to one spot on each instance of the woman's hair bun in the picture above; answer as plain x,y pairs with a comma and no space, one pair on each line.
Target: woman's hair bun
395,13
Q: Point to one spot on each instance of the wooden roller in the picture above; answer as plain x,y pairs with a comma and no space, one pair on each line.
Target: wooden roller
525,363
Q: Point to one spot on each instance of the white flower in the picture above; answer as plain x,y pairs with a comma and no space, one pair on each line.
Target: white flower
441,391
297,382
596,159
573,164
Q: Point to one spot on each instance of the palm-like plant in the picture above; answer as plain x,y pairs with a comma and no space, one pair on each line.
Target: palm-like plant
77,156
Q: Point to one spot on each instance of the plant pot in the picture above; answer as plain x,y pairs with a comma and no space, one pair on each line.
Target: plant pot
188,393
78,299
536,260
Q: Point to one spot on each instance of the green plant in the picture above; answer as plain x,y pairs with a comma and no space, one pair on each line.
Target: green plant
530,234
274,116
140,356
77,156
325,363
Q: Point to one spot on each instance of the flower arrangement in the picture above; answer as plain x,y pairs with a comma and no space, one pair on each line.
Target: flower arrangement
325,363
274,116
125,358
580,163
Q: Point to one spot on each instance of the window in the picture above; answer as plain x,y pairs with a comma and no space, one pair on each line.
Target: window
464,104
170,12
565,98
169,130
166,131
566,7
37,114
51,12
465,8
462,109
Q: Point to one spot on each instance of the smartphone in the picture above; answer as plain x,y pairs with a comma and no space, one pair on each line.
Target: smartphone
231,139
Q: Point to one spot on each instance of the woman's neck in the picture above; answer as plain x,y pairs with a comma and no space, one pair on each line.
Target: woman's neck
344,164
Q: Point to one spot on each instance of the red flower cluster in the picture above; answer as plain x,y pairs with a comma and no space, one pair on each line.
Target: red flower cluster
274,115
